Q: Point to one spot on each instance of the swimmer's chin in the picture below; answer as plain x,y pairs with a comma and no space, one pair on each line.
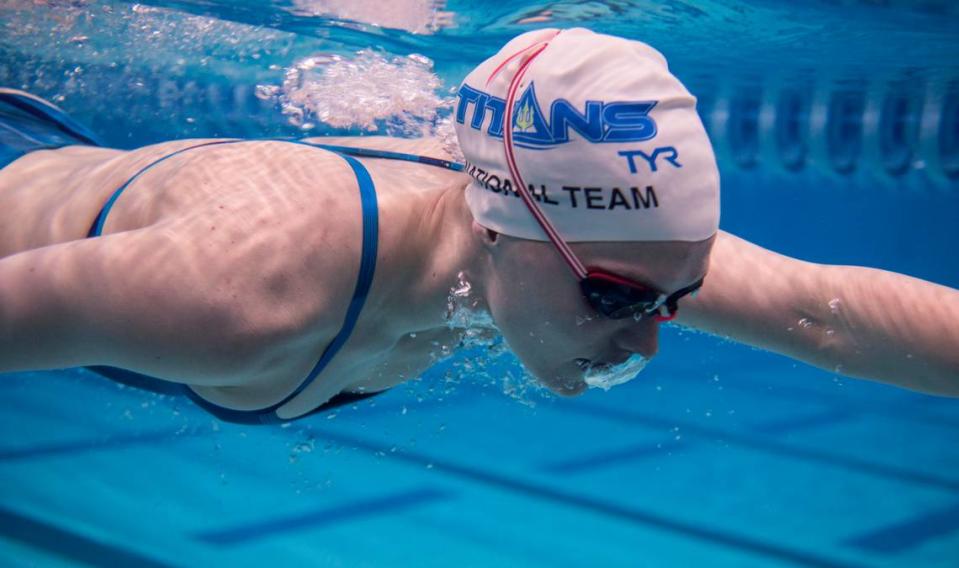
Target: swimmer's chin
568,388
563,384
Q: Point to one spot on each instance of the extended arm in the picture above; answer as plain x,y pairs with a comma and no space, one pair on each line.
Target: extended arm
134,300
856,321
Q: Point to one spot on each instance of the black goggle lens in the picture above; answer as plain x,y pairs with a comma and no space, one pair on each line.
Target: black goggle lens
617,300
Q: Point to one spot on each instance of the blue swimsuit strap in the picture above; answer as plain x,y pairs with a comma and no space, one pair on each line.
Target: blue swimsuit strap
371,153
344,151
97,229
367,262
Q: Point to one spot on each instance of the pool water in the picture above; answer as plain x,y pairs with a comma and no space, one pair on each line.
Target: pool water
836,124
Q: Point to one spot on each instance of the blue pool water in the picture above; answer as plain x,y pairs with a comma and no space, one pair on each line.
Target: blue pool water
836,124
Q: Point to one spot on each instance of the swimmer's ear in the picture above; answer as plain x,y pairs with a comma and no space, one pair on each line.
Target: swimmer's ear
487,236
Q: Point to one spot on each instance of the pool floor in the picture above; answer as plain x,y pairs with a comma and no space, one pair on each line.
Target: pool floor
718,456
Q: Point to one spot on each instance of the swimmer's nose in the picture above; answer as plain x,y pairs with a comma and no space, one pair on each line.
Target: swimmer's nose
642,339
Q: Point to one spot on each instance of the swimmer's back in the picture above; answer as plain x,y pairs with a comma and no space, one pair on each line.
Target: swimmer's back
261,239
57,193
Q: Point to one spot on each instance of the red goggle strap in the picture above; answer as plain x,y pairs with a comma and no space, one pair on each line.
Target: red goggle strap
615,278
670,317
574,263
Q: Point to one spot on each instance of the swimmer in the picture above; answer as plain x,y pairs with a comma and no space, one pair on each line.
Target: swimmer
273,278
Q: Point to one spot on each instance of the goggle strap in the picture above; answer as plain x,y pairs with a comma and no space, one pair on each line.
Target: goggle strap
515,55
574,263
668,317
670,304
660,304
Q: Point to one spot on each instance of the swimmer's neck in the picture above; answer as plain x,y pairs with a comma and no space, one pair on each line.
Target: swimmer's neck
437,245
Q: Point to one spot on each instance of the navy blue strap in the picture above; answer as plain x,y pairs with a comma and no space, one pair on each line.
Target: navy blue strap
97,229
363,280
371,153
370,213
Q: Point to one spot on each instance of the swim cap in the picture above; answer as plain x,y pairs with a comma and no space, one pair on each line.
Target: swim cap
607,140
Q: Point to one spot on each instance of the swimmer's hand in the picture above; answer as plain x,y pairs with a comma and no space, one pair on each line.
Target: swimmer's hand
854,321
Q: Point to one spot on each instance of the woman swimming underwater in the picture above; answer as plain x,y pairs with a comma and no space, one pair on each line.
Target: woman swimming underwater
274,276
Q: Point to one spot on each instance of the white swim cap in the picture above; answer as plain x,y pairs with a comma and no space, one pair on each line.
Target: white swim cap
607,140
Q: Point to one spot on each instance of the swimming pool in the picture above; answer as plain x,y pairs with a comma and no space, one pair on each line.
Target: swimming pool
837,129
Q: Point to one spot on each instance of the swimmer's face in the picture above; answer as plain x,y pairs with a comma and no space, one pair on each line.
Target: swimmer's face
537,304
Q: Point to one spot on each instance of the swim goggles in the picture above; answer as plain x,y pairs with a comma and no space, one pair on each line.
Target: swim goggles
611,295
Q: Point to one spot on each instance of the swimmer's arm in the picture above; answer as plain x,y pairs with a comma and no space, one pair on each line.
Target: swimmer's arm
129,300
856,321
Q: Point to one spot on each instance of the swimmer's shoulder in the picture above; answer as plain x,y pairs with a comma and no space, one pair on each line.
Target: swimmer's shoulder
401,176
427,146
255,225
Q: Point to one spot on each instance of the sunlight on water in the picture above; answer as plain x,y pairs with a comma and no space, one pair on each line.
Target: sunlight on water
415,16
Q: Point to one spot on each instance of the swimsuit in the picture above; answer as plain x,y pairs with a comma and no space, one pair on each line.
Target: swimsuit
39,125
29,123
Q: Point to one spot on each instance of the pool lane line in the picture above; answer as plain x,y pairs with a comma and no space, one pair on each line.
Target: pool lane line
109,443
188,429
581,407
69,545
345,512
589,463
610,413
788,424
899,537
612,510
885,409
767,445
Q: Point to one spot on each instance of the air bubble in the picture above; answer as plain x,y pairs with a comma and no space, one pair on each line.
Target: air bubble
369,91
834,305
421,60
266,92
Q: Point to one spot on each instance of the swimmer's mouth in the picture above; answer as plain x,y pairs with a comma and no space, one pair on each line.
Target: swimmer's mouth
589,365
